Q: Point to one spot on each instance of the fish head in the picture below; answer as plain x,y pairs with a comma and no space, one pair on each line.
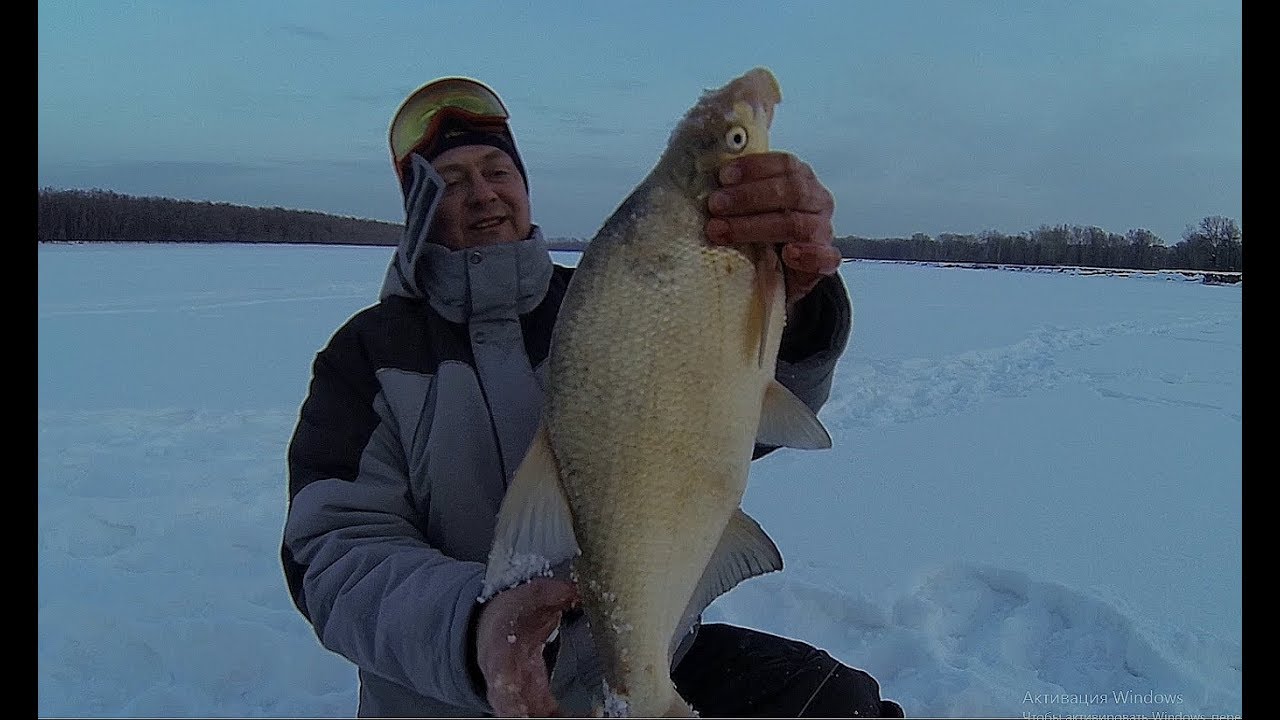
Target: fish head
726,122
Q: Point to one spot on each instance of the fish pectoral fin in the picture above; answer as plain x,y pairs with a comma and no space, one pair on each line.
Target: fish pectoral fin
769,286
785,421
534,531
745,550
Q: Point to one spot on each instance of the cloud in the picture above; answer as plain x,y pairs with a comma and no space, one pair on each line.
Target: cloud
304,32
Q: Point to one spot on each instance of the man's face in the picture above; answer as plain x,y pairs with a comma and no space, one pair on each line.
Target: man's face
484,200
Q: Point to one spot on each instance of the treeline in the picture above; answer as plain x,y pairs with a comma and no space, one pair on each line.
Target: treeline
102,215
1214,244
88,215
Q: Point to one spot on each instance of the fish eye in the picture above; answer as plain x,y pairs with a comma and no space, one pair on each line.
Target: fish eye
736,138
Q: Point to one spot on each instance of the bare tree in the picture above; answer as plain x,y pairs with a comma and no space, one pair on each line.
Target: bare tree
1216,242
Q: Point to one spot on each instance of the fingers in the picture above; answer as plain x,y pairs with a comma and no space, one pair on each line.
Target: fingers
775,199
769,198
815,259
516,676
522,690
766,182
783,192
548,593
786,226
756,166
528,609
544,602
510,633
805,265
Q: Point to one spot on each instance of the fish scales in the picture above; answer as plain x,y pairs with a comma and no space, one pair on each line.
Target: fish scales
654,477
661,370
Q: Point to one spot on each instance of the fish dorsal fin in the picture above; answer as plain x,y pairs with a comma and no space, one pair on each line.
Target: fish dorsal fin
534,530
744,551
785,421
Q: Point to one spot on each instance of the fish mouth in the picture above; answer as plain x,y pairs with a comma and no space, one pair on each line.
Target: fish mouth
488,223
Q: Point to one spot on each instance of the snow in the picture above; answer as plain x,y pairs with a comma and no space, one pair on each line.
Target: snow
512,568
1032,505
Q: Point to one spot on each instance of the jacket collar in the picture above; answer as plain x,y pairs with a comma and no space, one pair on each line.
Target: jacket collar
486,283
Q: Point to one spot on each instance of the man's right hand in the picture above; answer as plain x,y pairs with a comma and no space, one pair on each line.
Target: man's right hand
511,630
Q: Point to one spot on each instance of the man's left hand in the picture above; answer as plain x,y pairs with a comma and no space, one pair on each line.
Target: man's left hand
775,198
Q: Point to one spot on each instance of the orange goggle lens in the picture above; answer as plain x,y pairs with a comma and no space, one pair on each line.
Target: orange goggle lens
419,115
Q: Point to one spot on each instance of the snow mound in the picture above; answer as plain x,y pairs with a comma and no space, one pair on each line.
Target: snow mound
972,640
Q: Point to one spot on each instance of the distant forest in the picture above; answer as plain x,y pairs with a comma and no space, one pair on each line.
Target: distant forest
1214,244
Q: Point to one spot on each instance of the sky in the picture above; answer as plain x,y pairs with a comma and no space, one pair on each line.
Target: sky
919,116
1032,504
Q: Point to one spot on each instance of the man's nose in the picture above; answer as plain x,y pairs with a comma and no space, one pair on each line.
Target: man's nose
482,190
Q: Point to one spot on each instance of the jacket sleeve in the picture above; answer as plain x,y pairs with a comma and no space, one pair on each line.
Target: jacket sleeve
812,342
358,564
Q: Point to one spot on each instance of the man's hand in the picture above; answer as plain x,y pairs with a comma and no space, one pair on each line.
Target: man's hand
512,628
774,198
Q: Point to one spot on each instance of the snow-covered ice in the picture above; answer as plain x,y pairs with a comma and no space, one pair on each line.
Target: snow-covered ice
1032,505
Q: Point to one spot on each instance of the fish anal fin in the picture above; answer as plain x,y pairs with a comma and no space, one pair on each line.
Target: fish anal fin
785,421
534,530
744,551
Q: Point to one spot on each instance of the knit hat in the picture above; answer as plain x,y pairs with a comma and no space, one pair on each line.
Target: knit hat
456,132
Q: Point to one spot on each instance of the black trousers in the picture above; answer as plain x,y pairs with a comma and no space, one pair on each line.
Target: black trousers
732,671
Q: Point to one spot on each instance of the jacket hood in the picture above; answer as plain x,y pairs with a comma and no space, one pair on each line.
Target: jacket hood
462,284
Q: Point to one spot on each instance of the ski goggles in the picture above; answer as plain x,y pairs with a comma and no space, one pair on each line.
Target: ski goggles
418,120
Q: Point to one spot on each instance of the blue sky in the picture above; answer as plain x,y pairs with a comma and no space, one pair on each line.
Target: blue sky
925,116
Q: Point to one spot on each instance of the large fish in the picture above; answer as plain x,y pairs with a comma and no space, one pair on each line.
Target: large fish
661,381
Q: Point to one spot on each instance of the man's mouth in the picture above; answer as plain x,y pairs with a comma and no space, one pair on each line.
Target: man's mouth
488,223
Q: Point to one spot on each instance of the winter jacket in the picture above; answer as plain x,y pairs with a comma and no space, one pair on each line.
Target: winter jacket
419,410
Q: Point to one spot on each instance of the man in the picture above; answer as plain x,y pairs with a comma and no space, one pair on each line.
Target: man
421,407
